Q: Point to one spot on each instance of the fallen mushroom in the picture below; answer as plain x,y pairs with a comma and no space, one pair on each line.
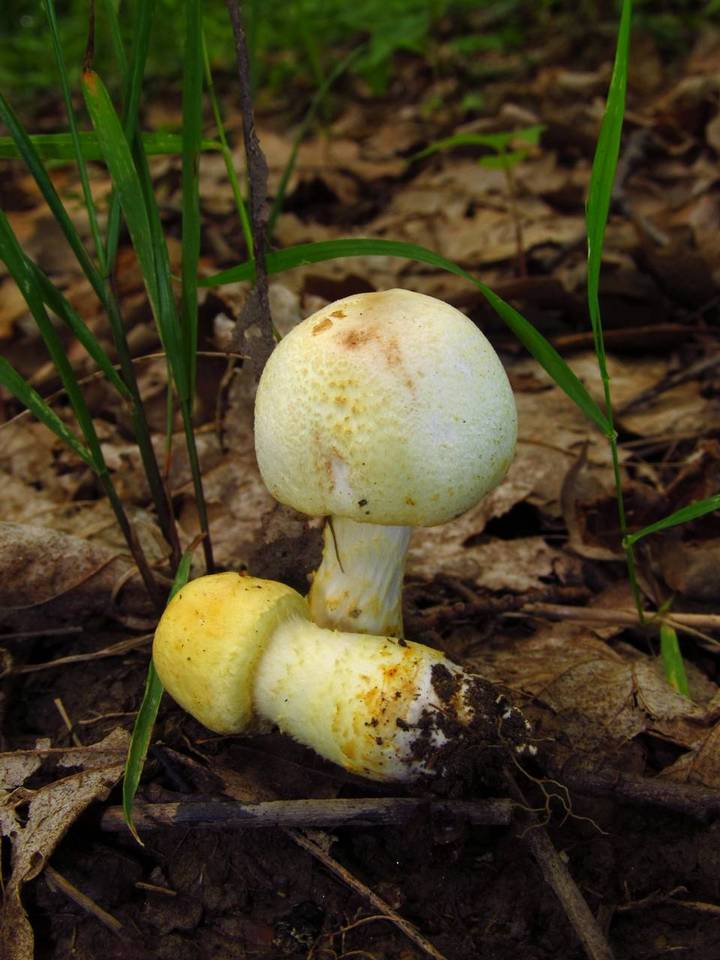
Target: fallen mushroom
238,653
383,411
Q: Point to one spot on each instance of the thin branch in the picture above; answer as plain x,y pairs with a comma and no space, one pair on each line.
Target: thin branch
253,333
694,621
690,799
59,882
315,842
304,813
558,877
115,650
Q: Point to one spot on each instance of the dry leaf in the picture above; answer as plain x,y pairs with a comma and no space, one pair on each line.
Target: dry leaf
568,669
15,768
701,765
690,567
47,577
49,813
526,563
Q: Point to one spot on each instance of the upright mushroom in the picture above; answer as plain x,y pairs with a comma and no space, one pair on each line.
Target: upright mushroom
383,411
238,652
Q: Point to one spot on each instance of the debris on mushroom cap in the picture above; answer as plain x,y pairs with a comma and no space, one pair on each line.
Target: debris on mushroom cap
388,408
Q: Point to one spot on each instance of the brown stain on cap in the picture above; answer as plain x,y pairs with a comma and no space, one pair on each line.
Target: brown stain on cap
322,325
357,337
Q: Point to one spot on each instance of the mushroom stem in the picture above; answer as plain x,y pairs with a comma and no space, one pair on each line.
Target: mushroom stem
356,700
358,586
236,650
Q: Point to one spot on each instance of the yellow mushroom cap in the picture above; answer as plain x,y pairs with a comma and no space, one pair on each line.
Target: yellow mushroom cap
388,408
210,638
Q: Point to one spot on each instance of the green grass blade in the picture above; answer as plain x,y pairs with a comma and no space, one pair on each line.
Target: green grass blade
533,341
179,362
139,744
603,173
240,204
26,279
14,258
60,306
131,90
192,134
176,354
493,141
175,351
152,143
115,35
166,316
302,26
141,43
315,104
117,156
602,178
35,165
59,146
672,660
30,398
684,515
145,720
49,6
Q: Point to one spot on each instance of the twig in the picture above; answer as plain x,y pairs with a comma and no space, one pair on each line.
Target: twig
690,799
115,650
557,875
698,905
253,332
154,888
49,751
671,380
705,621
314,844
625,335
58,882
294,813
304,813
651,900
97,375
44,632
60,706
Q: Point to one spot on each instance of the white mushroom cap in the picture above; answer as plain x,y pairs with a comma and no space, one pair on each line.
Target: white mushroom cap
388,408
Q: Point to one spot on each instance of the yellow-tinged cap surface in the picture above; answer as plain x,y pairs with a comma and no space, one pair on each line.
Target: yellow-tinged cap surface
387,408
210,638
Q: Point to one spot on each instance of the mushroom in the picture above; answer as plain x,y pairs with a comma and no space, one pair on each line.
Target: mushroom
238,653
382,411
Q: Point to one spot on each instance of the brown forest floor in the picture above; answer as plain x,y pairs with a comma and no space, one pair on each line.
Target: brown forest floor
625,762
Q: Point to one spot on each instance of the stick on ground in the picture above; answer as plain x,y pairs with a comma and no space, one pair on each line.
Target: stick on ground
253,334
557,876
305,813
